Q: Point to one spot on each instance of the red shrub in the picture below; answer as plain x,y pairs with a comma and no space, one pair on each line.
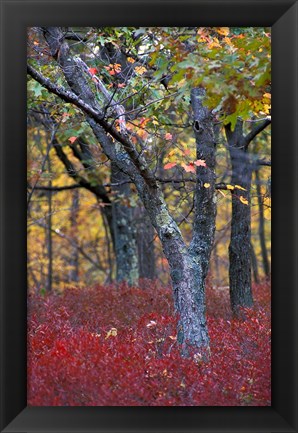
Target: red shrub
116,346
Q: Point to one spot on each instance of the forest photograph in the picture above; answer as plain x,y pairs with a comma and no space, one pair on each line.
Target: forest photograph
149,216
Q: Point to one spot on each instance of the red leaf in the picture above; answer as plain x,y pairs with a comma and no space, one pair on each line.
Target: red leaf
189,168
92,71
199,162
169,165
72,139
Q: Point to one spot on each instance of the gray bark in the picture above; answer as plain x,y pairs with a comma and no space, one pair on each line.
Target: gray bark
239,248
254,263
240,243
262,238
49,241
74,260
124,229
145,242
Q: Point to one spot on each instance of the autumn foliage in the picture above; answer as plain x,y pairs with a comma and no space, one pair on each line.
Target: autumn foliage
116,346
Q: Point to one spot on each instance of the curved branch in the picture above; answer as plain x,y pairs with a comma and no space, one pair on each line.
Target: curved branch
256,130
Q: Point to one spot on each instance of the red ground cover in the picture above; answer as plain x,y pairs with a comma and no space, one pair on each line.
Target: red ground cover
116,346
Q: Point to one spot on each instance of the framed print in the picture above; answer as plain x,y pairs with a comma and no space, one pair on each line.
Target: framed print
81,57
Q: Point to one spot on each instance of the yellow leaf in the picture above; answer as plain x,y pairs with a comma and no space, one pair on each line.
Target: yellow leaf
140,70
223,30
243,200
240,187
228,41
230,187
112,332
206,185
267,95
130,60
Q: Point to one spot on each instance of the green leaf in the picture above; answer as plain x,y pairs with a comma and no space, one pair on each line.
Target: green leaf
36,88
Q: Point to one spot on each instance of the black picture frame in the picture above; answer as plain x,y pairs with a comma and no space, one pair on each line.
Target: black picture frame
16,16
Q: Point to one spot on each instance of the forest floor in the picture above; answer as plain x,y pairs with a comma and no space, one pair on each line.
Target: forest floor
116,346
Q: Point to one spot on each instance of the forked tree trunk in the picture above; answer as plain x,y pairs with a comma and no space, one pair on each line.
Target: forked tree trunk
188,266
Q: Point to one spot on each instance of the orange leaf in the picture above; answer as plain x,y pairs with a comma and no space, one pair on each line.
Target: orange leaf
72,139
267,95
170,165
199,162
189,168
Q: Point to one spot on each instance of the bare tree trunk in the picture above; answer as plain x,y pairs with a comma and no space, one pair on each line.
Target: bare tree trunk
254,263
145,242
74,261
240,242
262,237
124,229
49,241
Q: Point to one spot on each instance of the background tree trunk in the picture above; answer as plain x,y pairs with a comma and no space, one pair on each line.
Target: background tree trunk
126,251
262,238
49,241
145,243
240,242
74,260
254,263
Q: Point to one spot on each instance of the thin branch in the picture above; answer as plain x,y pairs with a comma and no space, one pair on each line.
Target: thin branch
50,143
55,188
73,243
264,162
